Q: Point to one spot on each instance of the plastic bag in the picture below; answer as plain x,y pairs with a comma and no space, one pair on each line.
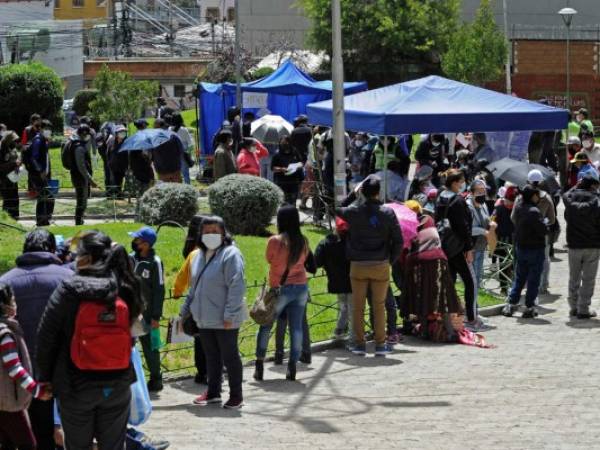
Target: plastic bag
141,406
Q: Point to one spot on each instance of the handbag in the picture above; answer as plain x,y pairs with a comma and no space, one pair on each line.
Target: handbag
263,310
451,243
140,406
189,325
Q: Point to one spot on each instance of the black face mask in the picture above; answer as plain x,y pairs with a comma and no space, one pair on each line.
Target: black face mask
135,247
480,199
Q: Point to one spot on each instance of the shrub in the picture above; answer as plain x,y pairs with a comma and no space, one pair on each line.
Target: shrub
82,100
164,202
259,73
30,88
246,203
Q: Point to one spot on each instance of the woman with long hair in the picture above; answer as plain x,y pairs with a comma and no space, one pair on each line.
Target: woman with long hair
286,254
217,306
91,381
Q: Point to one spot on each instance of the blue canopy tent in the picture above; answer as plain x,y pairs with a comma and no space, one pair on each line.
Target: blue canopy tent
436,104
288,89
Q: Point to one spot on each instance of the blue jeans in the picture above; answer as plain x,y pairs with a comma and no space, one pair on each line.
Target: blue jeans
185,171
530,264
292,300
478,259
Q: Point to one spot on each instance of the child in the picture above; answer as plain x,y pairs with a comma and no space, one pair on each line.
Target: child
149,268
331,255
16,384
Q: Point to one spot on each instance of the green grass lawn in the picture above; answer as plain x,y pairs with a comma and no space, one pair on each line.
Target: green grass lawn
321,313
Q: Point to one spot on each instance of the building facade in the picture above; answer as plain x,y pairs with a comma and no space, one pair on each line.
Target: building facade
81,9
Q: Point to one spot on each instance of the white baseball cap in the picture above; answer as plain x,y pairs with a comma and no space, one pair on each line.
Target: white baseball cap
535,176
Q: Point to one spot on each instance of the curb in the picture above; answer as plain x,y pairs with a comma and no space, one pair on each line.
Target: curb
489,311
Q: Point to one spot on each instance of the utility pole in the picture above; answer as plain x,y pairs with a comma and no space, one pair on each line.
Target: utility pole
508,48
339,139
238,61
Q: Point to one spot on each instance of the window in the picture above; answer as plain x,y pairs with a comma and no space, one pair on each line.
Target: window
213,14
179,90
78,3
100,3
56,3
230,14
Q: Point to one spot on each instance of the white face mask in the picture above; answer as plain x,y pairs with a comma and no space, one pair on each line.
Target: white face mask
359,143
588,143
47,134
122,135
87,138
436,143
212,240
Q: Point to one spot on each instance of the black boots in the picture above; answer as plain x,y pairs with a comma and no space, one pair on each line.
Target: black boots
259,370
291,371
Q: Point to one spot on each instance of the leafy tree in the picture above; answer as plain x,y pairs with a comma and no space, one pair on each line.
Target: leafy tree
383,39
82,100
120,97
30,88
477,51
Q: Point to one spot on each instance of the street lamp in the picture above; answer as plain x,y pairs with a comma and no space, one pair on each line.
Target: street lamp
567,15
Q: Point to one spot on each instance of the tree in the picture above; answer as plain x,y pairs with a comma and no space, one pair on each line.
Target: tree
82,100
383,39
477,51
222,68
120,97
30,88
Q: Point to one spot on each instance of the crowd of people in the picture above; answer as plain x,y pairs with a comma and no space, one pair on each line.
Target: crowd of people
70,313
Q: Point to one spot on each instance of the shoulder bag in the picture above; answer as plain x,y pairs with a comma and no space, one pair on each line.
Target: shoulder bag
189,325
263,310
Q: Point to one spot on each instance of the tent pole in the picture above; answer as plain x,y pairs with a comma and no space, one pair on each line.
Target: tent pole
339,140
385,170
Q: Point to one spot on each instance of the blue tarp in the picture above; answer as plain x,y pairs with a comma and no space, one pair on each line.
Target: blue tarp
289,91
436,104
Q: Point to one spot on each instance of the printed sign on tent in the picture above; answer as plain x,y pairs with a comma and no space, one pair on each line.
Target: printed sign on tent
255,100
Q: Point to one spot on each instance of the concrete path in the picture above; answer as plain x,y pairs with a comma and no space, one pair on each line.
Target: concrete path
538,389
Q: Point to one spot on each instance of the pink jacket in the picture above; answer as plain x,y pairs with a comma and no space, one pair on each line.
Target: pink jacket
248,163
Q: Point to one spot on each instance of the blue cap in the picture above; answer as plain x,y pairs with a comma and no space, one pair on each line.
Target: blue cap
146,234
589,173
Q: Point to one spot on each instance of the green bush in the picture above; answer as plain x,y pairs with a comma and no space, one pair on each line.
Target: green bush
165,202
82,100
30,88
259,73
246,203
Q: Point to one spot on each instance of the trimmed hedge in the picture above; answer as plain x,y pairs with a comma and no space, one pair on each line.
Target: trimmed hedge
247,204
82,100
30,88
165,202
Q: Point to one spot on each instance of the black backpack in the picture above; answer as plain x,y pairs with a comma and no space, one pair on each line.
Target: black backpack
67,154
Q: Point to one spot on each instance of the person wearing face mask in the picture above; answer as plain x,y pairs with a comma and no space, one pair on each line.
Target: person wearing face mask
149,267
582,213
117,161
432,152
34,127
81,170
224,160
357,156
590,148
582,118
505,231
288,181
530,242
10,165
579,164
248,160
479,229
37,161
452,210
216,304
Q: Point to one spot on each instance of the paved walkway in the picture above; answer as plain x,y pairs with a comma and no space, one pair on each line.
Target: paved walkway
539,389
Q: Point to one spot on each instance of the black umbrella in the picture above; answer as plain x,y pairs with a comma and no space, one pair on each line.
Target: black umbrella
515,172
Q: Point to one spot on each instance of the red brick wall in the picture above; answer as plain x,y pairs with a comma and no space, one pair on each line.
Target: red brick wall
148,69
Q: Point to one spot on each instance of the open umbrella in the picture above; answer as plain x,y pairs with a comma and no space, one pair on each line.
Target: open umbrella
516,172
408,221
149,140
269,129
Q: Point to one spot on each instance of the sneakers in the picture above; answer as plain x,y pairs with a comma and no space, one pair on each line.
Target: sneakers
590,314
477,325
359,349
155,385
339,335
204,399
529,313
234,403
509,310
383,350
393,339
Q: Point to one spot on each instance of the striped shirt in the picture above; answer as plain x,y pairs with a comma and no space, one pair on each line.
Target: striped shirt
12,364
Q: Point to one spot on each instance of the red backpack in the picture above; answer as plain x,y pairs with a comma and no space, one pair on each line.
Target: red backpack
102,337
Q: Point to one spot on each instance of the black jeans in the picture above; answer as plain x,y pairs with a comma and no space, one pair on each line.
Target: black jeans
221,348
152,358
459,266
82,193
44,207
41,415
95,413
199,358
282,325
10,198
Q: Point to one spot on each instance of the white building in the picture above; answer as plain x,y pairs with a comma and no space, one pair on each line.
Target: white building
217,10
